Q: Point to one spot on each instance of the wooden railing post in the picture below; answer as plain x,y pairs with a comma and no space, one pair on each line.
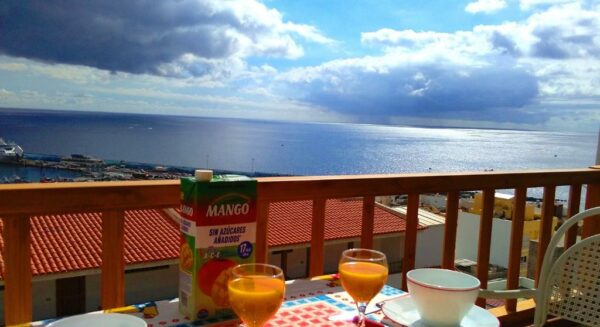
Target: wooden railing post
574,203
368,216
262,225
592,199
317,241
113,259
485,240
17,270
545,228
516,245
410,240
450,230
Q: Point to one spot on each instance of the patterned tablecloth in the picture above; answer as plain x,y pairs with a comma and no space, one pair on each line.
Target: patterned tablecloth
317,302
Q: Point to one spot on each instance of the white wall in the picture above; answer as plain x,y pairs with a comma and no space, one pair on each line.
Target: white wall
467,239
393,247
296,262
92,292
274,259
43,298
140,287
429,246
332,254
152,285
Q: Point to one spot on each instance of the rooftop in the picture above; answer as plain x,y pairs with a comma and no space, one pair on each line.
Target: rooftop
72,242
290,221
426,218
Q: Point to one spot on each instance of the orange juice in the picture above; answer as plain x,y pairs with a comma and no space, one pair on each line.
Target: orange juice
362,280
255,299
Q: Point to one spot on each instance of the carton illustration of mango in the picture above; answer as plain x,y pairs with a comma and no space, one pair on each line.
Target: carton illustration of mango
185,258
213,277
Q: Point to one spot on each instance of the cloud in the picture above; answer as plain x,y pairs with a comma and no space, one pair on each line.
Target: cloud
4,93
309,32
12,66
561,45
485,6
530,4
505,73
168,38
418,89
405,38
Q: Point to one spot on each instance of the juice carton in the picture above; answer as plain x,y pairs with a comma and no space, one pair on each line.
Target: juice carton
218,231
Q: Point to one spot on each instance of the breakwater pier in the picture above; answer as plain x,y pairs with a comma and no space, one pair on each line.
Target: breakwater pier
81,168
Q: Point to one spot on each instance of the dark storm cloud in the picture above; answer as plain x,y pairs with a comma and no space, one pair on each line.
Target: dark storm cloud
438,92
133,36
550,44
504,44
559,42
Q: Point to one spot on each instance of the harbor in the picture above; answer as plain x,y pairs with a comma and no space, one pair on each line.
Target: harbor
19,166
45,168
81,168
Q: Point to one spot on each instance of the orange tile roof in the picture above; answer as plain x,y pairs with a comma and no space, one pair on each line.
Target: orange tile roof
289,222
72,242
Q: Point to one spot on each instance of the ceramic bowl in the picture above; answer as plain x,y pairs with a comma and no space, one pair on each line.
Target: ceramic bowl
100,320
442,297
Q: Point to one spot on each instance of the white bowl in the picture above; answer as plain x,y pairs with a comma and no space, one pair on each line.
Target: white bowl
442,297
100,320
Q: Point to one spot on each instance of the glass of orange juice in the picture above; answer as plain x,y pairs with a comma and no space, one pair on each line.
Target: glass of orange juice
363,273
256,292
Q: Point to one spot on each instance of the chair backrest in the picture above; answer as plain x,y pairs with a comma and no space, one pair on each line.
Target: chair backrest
569,287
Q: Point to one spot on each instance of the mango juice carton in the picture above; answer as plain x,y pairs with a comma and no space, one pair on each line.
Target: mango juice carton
218,231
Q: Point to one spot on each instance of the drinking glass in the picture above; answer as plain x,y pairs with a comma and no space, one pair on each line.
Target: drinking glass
256,292
363,273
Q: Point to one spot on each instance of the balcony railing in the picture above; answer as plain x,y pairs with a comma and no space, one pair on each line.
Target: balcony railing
19,202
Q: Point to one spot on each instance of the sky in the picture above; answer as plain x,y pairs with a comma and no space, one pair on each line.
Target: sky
523,64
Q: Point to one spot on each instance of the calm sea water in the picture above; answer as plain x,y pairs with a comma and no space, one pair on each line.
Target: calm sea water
291,148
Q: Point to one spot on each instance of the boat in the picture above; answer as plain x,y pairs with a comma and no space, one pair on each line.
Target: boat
82,160
10,152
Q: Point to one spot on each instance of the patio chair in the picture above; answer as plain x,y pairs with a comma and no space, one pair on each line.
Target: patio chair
569,287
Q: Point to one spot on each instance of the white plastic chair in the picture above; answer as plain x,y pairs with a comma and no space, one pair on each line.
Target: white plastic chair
569,287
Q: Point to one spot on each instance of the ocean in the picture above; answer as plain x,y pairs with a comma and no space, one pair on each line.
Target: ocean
291,147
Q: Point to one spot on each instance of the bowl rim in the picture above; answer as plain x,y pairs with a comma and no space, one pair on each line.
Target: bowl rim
444,288
98,315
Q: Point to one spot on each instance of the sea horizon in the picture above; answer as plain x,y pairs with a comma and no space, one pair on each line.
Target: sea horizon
291,148
92,112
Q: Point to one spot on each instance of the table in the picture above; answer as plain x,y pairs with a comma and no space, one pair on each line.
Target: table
307,303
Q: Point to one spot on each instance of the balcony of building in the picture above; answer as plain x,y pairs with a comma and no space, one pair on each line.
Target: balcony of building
21,204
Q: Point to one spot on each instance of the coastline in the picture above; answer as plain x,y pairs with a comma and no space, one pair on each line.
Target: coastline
113,170
101,170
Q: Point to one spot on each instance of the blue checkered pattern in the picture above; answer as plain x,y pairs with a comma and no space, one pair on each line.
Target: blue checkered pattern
324,298
391,291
